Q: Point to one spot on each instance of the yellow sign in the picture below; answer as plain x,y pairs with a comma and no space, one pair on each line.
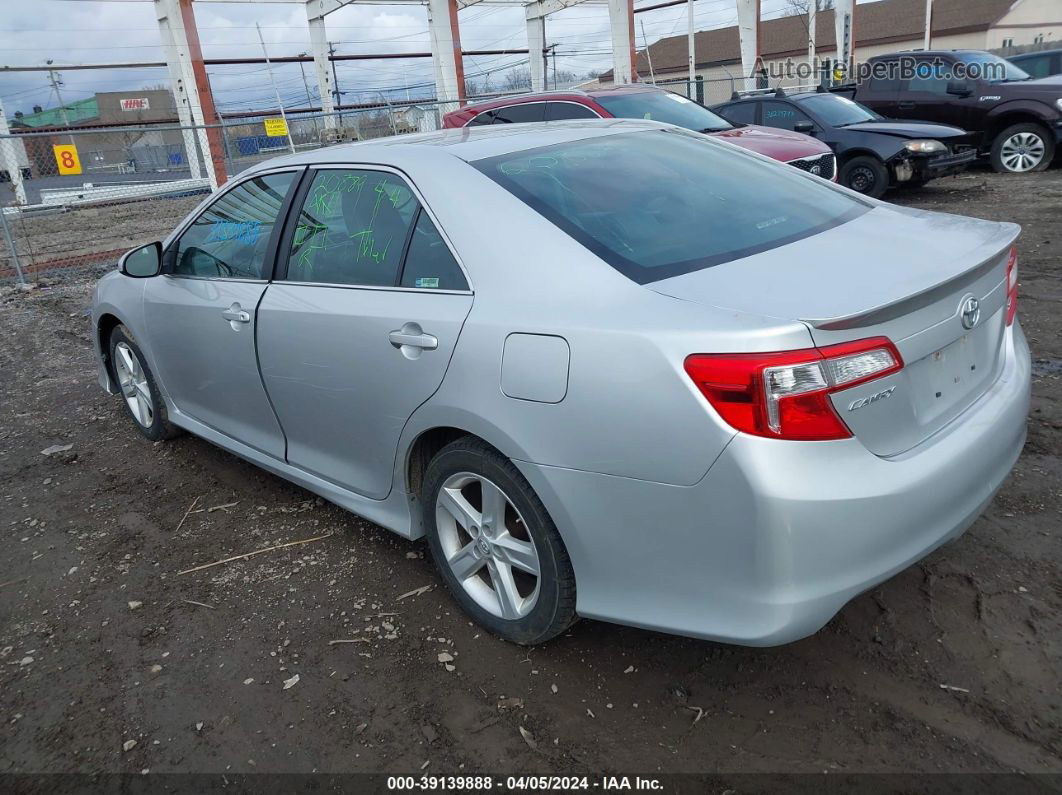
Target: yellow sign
67,160
276,128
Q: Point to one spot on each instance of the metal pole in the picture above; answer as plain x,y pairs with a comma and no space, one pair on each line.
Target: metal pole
11,245
269,69
648,55
928,39
335,79
690,42
309,101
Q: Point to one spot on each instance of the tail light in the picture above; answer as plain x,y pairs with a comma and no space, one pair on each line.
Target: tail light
1012,285
785,395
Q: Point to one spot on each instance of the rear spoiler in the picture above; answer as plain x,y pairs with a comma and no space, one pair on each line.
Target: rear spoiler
916,301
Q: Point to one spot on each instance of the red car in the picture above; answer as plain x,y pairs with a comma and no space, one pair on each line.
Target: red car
649,102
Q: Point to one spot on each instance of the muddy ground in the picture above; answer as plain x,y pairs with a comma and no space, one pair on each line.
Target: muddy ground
113,661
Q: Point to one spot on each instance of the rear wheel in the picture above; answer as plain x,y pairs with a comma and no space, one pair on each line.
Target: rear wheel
866,175
1022,148
495,545
137,385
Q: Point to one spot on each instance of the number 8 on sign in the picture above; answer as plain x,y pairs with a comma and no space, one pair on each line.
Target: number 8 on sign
67,160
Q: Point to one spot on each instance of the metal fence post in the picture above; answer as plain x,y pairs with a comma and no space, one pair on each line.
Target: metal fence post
11,244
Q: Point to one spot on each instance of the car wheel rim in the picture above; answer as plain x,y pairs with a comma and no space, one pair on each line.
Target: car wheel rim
487,545
862,180
1022,152
134,385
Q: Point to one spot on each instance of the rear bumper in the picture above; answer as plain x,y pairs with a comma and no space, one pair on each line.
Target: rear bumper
778,536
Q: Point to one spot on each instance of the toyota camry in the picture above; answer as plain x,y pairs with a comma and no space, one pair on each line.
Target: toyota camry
612,369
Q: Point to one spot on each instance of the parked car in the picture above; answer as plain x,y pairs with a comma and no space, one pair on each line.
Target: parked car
1039,64
873,152
648,102
1018,119
694,392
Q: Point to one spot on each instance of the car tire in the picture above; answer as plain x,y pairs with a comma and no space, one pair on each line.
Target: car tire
136,384
865,174
1022,148
475,553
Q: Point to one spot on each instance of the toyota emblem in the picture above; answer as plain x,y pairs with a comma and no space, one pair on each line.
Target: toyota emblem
969,312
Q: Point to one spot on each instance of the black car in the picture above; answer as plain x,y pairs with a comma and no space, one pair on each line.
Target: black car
873,153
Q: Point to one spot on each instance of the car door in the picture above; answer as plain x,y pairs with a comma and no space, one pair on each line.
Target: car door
924,96
880,93
201,313
358,327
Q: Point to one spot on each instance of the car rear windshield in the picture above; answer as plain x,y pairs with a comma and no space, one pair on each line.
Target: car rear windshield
662,106
659,203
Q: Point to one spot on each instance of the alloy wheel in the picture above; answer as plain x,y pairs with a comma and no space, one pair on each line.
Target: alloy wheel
1023,151
134,384
487,545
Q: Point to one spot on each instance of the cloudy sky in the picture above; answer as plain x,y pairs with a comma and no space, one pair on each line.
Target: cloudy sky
110,31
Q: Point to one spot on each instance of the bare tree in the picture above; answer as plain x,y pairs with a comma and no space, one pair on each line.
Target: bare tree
518,79
795,8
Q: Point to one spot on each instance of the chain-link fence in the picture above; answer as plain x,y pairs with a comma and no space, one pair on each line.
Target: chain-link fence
73,200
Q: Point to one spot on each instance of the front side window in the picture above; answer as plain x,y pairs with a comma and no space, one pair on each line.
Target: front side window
838,111
680,203
662,106
352,228
929,79
230,239
741,113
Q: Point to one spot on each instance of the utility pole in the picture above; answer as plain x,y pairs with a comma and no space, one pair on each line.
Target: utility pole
335,78
309,101
813,7
56,80
269,69
928,38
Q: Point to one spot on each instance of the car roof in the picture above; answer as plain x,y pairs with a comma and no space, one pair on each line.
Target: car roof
560,95
465,143
1024,56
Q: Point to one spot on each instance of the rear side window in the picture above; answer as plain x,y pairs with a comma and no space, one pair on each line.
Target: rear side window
558,111
486,117
519,114
741,113
230,238
429,264
352,228
680,203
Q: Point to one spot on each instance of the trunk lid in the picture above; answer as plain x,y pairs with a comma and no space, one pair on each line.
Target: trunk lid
894,272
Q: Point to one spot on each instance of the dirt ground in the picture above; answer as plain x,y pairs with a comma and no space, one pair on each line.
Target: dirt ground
111,660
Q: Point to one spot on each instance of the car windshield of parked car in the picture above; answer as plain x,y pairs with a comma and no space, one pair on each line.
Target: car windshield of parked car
659,203
994,69
838,111
663,106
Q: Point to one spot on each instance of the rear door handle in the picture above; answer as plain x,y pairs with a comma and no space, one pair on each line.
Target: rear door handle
906,106
412,341
234,314
423,341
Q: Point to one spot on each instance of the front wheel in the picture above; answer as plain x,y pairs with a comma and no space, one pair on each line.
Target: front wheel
138,388
866,175
1021,148
495,545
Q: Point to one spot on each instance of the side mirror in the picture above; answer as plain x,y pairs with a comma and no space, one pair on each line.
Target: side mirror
140,263
805,127
959,88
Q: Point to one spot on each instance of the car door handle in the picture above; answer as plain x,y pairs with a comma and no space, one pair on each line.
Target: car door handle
236,315
906,106
413,338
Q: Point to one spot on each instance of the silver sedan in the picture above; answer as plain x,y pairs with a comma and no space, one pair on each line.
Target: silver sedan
610,369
